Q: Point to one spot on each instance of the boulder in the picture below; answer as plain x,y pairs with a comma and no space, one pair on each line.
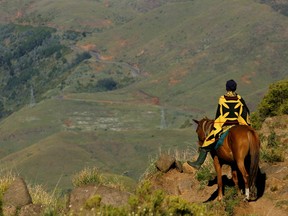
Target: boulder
109,196
165,162
188,169
179,166
9,210
17,195
31,210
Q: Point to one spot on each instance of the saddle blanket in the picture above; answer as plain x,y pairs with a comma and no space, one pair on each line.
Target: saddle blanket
221,139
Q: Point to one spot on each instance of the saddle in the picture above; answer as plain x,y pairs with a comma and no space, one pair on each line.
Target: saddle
220,141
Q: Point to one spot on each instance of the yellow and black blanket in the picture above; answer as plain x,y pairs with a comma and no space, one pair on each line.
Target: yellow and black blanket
231,110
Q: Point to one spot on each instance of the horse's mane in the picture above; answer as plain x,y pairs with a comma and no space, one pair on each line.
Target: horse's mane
206,118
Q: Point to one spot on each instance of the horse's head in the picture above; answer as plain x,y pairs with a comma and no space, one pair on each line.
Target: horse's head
204,127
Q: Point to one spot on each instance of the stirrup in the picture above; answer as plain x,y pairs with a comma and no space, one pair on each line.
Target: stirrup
194,165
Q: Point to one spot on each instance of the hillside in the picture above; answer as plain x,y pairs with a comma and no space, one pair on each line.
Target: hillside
181,60
124,78
179,48
173,188
60,136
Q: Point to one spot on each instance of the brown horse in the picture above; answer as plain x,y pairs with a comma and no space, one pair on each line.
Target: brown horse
240,150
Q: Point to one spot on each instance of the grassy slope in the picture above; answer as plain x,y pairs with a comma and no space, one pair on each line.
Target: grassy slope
187,46
185,50
71,133
198,45
89,15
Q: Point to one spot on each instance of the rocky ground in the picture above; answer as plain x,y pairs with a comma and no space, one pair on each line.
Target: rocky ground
273,201
272,180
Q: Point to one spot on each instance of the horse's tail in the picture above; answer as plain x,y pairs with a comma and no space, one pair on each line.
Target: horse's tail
254,143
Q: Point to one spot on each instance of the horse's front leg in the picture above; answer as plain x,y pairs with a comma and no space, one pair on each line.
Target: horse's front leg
218,168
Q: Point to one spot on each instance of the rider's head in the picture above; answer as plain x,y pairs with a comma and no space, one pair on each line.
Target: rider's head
231,85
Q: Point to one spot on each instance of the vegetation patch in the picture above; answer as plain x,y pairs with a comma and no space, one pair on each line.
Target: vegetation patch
155,202
205,174
87,176
231,200
274,103
271,150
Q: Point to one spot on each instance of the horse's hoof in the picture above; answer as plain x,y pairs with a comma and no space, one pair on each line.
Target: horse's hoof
253,198
246,199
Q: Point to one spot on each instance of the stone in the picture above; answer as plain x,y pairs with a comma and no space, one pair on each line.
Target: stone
165,162
9,210
188,169
179,167
17,194
31,210
109,196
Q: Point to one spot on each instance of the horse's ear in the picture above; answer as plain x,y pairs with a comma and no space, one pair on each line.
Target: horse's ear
196,121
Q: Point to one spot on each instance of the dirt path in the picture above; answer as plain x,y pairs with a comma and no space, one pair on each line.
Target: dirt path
262,207
274,200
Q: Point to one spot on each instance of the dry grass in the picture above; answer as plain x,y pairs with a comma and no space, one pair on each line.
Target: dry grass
87,176
40,196
5,181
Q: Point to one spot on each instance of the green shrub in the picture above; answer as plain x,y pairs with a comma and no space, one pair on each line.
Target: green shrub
87,176
5,181
271,150
106,84
206,173
148,201
231,199
177,206
272,140
40,196
272,155
93,202
274,103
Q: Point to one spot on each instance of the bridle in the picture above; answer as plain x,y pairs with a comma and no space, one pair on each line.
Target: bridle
206,127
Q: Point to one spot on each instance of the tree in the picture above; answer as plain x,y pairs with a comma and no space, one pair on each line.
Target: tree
106,84
274,103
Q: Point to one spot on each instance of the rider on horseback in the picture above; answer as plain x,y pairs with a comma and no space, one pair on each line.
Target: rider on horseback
232,110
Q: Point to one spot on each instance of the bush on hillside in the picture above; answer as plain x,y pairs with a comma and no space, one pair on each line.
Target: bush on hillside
148,201
102,85
79,58
87,176
72,35
205,174
274,103
5,181
106,84
271,150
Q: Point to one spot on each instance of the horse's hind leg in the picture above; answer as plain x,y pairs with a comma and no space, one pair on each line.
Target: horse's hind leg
235,179
245,175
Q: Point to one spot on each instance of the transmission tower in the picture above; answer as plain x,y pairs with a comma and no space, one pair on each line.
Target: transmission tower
163,120
32,97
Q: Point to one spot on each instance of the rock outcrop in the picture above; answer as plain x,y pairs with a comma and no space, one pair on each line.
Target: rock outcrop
108,196
17,200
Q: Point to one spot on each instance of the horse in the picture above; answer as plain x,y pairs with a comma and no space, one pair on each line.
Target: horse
240,150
